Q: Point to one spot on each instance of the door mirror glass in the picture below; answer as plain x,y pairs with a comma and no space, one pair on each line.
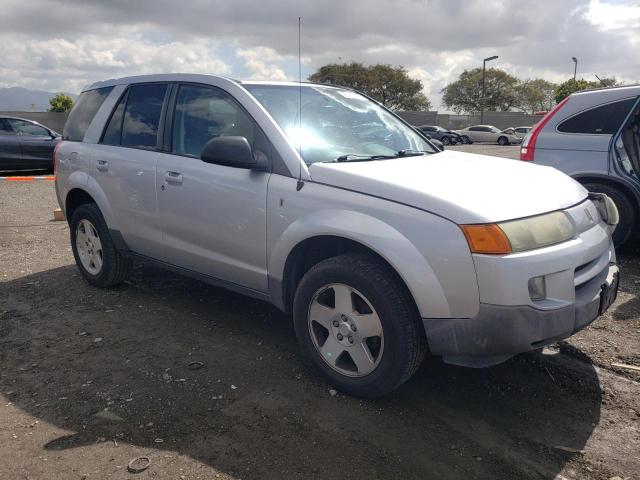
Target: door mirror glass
231,151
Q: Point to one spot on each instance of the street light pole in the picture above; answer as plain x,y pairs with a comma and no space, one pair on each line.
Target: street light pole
575,66
484,69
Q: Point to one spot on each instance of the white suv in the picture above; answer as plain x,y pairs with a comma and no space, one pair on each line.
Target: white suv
327,205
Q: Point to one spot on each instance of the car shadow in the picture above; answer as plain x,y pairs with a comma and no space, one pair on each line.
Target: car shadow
217,377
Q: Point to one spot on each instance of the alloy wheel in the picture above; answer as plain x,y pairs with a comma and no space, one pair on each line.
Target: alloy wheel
89,247
346,330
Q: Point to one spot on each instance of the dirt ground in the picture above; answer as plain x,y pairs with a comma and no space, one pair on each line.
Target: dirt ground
91,379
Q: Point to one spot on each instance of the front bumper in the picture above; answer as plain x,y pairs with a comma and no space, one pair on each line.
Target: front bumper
497,333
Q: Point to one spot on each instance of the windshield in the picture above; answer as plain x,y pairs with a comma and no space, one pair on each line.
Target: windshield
335,123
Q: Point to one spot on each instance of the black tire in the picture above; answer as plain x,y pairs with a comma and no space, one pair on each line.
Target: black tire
503,141
466,140
626,209
404,340
445,140
115,267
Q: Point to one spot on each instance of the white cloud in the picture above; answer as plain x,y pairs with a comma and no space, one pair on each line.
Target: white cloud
256,61
62,64
613,16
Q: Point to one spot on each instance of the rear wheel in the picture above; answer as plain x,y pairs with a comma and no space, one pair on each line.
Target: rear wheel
446,140
503,141
626,209
97,258
357,326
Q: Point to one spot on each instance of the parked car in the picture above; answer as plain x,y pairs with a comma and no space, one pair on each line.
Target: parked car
594,136
26,145
439,145
488,134
519,132
329,206
447,137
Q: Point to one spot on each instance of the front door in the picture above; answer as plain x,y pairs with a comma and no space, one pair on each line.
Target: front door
36,145
213,216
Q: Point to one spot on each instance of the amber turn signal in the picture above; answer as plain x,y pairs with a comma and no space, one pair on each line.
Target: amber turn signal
488,238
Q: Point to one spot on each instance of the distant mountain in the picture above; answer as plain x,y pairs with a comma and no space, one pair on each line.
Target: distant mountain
25,100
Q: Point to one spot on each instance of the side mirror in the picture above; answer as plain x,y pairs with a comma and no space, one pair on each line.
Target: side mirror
231,152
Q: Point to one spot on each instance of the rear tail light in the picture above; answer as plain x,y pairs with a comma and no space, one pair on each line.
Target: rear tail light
528,147
53,157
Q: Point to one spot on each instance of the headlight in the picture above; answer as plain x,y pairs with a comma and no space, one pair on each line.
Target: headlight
606,208
519,235
537,232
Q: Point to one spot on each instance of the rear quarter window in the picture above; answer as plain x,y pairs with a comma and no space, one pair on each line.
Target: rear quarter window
83,112
602,120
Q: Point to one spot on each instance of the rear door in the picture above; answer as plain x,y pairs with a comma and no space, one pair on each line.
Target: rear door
213,216
476,134
10,158
36,145
124,163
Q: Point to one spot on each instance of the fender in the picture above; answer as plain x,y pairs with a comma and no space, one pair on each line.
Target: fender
373,233
81,180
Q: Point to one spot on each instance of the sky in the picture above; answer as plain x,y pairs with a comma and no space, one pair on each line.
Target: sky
62,45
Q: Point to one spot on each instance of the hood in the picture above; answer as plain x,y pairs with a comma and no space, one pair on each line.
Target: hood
463,187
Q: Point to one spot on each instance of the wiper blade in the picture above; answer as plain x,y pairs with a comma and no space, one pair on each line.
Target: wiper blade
411,153
354,157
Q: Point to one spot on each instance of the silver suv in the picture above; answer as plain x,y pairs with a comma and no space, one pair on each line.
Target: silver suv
594,136
325,204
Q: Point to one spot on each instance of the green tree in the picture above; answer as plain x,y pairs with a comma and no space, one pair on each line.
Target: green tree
536,95
465,94
609,82
60,103
567,88
389,85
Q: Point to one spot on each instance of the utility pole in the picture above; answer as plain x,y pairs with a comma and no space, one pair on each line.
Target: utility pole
575,66
484,69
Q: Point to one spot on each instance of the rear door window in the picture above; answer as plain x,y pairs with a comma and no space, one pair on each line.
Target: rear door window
83,112
142,115
602,120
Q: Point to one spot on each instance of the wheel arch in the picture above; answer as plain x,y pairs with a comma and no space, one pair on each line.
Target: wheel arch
88,192
76,197
302,246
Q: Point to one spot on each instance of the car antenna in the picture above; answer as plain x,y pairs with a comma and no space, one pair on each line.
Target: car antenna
300,183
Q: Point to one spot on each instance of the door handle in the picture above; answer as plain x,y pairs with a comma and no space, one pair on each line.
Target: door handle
173,177
102,165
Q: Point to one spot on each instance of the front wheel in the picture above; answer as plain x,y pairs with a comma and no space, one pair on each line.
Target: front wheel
466,140
446,141
503,141
357,325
